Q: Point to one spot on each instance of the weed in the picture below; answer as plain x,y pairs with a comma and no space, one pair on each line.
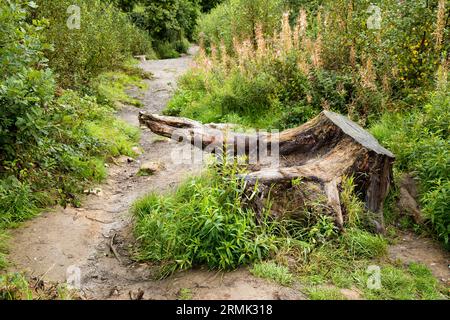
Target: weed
15,286
324,293
203,222
362,244
185,294
272,271
398,283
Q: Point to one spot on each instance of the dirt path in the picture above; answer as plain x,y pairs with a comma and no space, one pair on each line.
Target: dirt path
80,238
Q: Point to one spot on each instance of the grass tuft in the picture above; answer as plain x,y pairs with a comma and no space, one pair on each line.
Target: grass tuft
271,270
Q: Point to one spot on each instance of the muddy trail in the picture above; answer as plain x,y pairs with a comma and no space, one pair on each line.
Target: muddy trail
97,238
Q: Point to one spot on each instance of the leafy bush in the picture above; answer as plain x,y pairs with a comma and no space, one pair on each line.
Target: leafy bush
420,141
106,38
204,222
238,18
26,83
170,23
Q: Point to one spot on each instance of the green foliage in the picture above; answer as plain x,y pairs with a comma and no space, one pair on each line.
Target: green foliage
51,147
238,18
17,201
26,84
318,293
263,100
112,87
204,222
105,39
15,286
420,141
397,283
344,66
3,249
362,244
272,271
170,23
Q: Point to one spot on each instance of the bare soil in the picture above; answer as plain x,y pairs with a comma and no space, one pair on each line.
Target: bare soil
82,237
412,248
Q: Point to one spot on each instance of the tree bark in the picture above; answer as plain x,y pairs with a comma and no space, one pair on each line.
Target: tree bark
320,152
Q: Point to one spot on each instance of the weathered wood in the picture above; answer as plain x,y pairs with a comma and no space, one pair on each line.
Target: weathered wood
322,151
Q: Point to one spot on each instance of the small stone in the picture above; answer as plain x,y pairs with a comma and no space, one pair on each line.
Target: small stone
95,191
137,150
149,168
124,160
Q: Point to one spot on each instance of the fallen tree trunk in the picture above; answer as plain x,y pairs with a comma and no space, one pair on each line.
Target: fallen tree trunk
321,153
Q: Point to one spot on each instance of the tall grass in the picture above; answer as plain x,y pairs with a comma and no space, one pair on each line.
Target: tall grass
203,222
420,141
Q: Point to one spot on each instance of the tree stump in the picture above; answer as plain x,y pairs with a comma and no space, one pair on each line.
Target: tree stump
319,153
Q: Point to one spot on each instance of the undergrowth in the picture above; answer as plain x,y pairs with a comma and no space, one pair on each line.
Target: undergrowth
420,141
14,286
203,222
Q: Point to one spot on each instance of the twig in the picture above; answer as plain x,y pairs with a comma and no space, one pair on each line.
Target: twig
113,249
93,219
42,277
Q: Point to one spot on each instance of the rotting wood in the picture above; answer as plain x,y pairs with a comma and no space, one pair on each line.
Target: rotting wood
322,151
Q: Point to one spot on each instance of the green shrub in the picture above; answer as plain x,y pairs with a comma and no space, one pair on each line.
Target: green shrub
17,201
166,50
26,84
170,23
238,18
106,38
420,141
204,222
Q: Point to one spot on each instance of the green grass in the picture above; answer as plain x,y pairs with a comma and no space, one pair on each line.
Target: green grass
185,294
336,266
203,222
420,141
272,271
15,286
81,135
3,249
323,293
403,283
362,244
113,86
